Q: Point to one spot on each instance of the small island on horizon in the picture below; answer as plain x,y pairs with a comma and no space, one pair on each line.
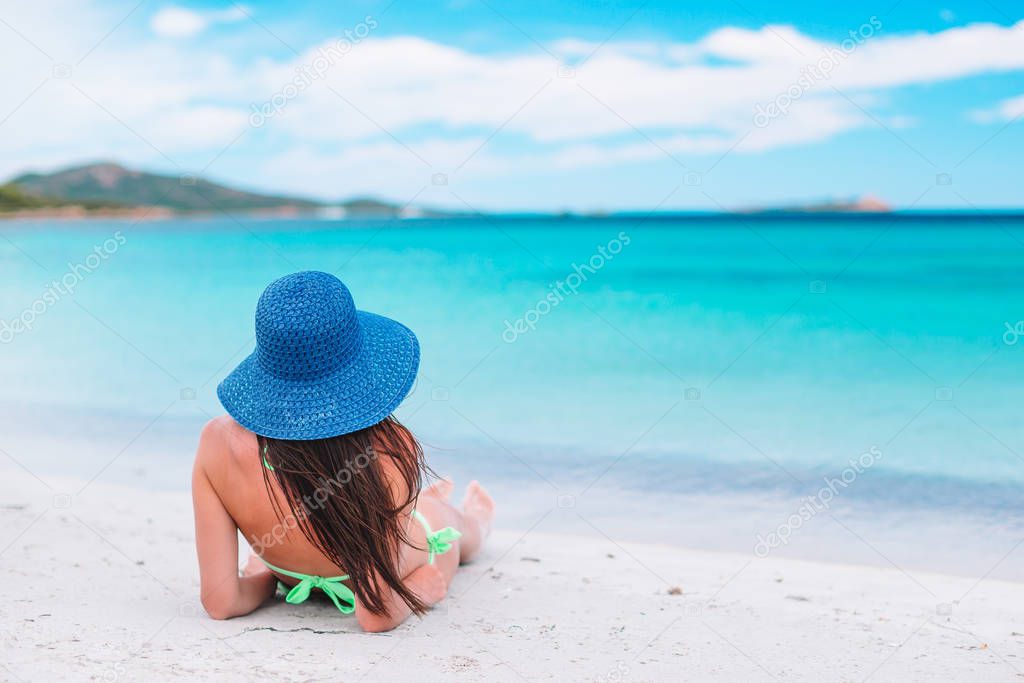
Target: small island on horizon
864,204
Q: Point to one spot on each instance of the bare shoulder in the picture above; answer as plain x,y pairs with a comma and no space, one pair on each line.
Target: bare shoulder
220,441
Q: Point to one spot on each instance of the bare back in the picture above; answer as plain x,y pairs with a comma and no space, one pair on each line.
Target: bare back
237,477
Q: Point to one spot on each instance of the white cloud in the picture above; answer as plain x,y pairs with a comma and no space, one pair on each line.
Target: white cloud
401,83
782,44
1007,110
811,121
198,127
180,22
572,49
693,99
366,168
888,62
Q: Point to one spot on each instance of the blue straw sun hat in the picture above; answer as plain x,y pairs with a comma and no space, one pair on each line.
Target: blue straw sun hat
321,368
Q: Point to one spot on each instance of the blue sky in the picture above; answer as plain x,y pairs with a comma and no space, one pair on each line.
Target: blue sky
500,105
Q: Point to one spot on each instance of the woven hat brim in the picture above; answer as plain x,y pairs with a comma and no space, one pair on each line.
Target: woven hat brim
358,395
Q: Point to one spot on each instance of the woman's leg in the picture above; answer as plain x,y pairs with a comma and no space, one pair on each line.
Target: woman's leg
477,513
474,520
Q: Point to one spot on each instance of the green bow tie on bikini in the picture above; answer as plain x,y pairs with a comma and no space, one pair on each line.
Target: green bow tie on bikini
342,596
438,543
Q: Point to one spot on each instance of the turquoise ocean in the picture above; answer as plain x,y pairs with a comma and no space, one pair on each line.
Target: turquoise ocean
690,379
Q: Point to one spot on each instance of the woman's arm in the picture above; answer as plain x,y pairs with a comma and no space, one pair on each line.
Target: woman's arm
427,582
224,594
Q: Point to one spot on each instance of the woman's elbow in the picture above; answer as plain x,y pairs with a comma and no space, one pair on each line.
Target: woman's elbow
218,612
218,607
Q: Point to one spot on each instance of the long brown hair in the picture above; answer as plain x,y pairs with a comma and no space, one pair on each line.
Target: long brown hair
343,503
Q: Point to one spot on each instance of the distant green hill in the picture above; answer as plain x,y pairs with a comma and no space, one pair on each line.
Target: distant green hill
108,187
112,184
14,198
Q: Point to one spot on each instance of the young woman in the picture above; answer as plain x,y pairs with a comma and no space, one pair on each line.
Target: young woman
318,476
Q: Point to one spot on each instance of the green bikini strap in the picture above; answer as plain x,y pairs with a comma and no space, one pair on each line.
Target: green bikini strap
438,542
337,591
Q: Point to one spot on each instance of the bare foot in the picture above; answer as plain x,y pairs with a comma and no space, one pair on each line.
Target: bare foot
479,505
440,489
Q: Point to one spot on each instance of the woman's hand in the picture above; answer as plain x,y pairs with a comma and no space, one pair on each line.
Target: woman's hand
254,566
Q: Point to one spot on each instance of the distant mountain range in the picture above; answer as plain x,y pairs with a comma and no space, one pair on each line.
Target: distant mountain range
111,188
108,188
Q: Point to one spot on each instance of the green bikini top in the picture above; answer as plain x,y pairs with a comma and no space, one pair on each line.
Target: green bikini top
438,543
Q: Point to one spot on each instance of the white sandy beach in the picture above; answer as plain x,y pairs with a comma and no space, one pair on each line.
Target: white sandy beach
103,586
